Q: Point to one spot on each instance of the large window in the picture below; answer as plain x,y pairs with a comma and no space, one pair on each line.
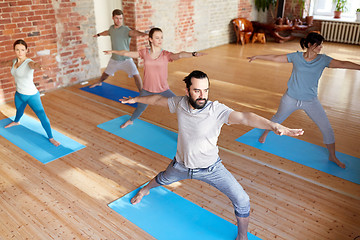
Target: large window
327,7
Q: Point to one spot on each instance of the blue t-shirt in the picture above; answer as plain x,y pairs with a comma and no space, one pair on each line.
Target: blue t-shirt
304,79
120,40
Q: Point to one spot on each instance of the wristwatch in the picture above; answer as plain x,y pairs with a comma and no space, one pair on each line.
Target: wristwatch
98,34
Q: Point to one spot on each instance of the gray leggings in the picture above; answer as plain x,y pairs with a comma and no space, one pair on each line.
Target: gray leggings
312,108
141,106
216,175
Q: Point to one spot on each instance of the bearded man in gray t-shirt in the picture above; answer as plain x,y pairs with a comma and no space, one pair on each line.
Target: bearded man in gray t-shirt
199,124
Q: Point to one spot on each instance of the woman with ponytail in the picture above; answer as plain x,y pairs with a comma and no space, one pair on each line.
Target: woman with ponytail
303,87
155,69
22,68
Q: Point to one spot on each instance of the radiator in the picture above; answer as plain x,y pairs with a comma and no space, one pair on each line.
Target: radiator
341,32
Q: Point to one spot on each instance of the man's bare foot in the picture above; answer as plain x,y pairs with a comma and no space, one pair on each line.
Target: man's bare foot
337,161
263,136
12,124
127,123
137,198
53,141
95,85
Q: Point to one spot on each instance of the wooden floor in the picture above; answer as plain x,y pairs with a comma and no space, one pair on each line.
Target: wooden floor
67,198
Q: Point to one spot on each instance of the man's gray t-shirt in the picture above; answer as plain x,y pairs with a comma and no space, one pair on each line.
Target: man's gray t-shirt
120,40
199,130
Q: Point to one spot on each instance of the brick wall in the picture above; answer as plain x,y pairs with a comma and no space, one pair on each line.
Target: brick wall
184,28
61,29
137,16
244,9
77,55
64,29
188,25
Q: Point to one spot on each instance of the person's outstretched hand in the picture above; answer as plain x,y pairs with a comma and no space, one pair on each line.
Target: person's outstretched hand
129,100
251,58
282,130
96,84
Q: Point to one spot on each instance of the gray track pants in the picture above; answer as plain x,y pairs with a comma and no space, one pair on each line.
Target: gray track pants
312,108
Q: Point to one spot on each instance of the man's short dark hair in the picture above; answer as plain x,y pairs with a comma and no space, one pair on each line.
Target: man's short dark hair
194,74
117,12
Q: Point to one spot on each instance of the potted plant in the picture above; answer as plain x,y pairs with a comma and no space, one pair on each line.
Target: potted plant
358,14
302,7
298,21
305,9
309,20
339,7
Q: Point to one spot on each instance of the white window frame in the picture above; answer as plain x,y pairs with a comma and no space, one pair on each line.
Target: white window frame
350,13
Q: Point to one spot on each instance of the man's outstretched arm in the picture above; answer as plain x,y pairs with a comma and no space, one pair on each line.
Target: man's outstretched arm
150,100
136,33
104,33
254,120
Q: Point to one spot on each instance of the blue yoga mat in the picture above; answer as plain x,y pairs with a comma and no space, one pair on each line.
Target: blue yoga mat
305,153
166,215
147,135
31,137
111,92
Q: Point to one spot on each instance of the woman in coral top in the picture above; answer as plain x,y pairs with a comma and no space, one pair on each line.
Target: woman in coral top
155,69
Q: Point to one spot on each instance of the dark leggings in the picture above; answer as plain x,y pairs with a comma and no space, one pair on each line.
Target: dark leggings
141,106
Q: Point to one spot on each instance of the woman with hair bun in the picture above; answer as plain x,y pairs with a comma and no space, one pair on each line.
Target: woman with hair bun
303,87
22,68
155,69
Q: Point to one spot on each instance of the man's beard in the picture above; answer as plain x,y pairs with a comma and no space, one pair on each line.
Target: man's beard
195,103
